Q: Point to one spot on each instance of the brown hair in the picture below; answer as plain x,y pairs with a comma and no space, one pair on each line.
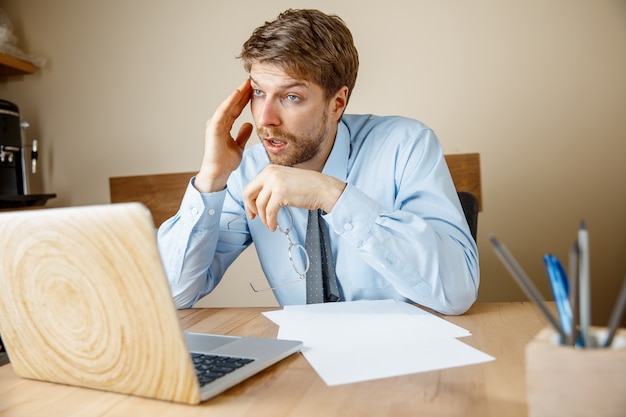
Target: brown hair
308,44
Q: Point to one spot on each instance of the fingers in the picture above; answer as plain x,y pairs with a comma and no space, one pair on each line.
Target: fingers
231,108
245,131
258,201
222,152
277,186
264,200
242,96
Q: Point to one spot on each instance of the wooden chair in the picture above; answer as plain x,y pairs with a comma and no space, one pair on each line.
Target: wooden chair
162,193
465,171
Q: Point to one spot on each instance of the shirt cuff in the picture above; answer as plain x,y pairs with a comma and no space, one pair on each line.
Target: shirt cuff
203,210
354,215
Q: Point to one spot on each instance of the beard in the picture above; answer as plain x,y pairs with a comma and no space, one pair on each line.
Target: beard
301,148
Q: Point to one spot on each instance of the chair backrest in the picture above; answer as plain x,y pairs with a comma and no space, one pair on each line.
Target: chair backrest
162,193
465,171
469,202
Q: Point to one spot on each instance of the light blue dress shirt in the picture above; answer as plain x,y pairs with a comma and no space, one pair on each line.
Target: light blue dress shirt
397,232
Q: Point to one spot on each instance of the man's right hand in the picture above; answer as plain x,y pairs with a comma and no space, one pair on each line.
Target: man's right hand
222,152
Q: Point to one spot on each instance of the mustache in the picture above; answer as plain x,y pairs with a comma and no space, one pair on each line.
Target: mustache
274,132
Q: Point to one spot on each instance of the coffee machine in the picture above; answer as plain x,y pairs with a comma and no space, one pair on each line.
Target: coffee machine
18,162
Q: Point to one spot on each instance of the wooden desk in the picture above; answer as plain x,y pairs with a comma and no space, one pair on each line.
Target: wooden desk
293,388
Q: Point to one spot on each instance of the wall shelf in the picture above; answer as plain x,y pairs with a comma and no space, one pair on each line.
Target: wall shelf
10,65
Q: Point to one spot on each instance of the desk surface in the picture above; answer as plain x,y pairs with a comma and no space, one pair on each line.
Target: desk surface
293,388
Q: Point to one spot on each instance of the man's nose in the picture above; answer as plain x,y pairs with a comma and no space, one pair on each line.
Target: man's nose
268,114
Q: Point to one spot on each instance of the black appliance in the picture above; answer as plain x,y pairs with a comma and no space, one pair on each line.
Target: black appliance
18,162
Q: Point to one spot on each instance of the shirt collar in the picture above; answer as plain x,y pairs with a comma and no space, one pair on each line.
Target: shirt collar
337,162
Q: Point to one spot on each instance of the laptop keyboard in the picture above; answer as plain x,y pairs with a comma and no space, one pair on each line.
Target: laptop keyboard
211,367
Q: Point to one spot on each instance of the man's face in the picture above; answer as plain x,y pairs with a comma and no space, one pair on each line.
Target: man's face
294,121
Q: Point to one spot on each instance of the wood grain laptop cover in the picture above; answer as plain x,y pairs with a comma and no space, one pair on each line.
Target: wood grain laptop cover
84,302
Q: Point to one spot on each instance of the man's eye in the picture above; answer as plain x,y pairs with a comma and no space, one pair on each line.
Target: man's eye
257,92
292,97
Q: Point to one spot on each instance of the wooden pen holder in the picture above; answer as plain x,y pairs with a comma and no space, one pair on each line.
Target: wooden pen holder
570,381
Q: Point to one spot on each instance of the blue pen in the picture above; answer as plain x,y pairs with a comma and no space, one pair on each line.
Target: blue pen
560,291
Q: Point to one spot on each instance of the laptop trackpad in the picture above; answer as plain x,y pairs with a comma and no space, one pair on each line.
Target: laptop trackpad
199,342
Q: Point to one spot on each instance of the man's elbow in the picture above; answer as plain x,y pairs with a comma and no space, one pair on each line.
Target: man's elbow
183,298
461,299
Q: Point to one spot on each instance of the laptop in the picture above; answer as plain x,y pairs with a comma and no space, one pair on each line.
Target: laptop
84,301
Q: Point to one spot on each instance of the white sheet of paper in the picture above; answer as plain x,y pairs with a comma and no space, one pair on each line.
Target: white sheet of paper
343,366
344,342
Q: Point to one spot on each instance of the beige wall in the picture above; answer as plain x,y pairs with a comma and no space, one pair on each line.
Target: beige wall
538,87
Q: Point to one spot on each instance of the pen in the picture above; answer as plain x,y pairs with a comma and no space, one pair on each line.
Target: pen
525,283
560,291
617,314
573,293
583,279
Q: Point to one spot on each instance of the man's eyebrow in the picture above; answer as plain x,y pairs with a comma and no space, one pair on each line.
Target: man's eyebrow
295,83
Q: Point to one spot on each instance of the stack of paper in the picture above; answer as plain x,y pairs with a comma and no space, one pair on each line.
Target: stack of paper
356,341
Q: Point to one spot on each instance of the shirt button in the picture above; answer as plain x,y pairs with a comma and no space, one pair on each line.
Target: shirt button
347,227
211,212
194,211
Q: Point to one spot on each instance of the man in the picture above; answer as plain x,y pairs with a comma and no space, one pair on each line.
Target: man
396,228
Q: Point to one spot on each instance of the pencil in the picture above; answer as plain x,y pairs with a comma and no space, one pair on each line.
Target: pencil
573,291
525,283
584,293
617,314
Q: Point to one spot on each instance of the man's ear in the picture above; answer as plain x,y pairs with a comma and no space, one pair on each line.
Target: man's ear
339,102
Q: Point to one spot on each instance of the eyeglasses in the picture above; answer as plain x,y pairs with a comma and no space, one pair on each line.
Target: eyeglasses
300,268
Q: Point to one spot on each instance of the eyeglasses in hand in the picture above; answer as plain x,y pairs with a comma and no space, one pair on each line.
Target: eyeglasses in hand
298,267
